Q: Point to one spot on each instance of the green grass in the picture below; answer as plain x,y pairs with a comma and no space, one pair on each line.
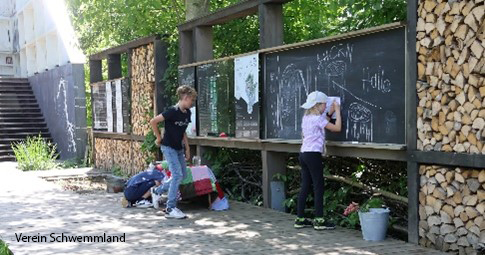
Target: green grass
35,154
4,249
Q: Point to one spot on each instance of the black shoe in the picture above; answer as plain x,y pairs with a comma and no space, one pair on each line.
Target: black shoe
321,224
302,223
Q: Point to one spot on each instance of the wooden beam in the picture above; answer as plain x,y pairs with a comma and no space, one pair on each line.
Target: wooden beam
124,48
236,11
305,44
186,47
203,43
270,25
118,136
448,159
372,151
335,37
411,122
273,163
161,65
128,80
114,66
95,71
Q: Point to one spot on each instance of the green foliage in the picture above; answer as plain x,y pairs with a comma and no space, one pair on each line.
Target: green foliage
102,24
71,163
117,171
35,154
4,248
149,146
374,202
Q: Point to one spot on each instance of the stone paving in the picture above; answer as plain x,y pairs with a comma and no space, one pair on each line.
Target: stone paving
34,207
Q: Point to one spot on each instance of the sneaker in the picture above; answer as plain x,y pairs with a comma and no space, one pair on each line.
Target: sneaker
321,224
155,198
174,213
143,204
302,223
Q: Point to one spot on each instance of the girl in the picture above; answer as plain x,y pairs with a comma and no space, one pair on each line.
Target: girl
313,132
173,142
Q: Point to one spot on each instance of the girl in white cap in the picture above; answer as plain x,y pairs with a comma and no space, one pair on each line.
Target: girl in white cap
313,131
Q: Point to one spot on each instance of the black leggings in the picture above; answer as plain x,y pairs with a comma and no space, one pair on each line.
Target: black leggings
311,171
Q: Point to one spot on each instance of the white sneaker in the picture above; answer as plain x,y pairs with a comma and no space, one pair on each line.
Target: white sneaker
143,204
155,198
174,213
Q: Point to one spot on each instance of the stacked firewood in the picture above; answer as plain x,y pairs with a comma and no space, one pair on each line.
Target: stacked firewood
452,209
451,73
125,154
142,88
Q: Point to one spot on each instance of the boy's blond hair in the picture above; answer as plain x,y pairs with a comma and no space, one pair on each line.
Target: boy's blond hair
186,90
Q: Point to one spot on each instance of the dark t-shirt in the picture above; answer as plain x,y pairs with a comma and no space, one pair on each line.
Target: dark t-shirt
176,123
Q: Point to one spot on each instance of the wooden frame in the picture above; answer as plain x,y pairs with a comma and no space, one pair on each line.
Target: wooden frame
411,132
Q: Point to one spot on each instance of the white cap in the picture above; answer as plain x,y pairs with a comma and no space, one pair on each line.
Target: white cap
314,98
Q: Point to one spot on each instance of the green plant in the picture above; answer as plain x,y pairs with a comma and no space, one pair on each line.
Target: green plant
4,250
117,171
373,202
149,147
35,154
71,163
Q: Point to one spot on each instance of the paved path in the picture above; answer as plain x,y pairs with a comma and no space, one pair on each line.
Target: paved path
32,206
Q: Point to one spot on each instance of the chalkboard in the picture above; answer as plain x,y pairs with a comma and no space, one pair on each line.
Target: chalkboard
111,112
186,76
367,72
246,93
98,91
215,83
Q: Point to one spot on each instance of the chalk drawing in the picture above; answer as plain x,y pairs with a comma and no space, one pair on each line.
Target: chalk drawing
246,80
291,85
61,109
359,123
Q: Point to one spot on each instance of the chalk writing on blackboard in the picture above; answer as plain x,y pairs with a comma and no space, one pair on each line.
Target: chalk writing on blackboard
359,123
375,80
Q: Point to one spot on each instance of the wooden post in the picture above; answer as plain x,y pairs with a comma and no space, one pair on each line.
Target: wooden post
273,163
411,120
200,151
161,65
186,51
270,25
95,71
130,73
114,66
202,42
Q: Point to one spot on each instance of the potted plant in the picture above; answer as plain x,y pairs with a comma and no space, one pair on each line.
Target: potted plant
373,218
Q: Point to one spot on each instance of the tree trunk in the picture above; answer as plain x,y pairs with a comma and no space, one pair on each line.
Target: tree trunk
196,8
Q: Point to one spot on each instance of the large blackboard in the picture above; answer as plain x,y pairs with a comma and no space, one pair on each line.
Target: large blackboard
367,72
114,117
215,104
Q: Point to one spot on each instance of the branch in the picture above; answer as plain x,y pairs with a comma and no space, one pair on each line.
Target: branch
400,199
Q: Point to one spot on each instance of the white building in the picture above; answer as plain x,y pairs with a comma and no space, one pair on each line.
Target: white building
36,36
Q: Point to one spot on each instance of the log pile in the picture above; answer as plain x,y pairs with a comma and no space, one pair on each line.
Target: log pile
126,154
142,88
452,209
451,74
